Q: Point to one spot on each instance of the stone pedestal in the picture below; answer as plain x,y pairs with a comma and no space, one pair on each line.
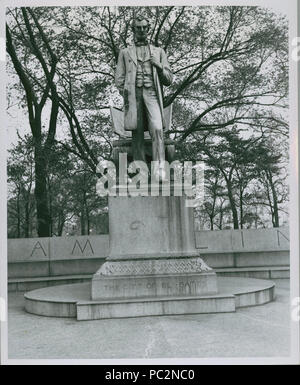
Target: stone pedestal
148,225
153,278
152,252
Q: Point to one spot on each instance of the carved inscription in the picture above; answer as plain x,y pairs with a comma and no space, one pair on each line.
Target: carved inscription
82,249
181,287
280,234
242,239
136,225
36,247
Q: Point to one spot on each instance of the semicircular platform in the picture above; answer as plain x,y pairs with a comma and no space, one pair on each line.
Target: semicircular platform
73,300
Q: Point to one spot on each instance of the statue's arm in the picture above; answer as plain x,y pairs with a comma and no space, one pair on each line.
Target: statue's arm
120,73
165,73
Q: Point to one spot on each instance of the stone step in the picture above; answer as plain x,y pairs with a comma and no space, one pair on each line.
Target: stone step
268,272
25,284
75,301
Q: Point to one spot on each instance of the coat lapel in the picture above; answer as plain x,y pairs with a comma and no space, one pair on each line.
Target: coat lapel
132,54
154,72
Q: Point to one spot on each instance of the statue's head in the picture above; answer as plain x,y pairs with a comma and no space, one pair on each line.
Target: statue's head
140,27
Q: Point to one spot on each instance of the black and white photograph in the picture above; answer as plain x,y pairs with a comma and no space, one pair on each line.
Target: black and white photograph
149,184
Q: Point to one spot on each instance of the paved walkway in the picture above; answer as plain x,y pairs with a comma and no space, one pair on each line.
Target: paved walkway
261,331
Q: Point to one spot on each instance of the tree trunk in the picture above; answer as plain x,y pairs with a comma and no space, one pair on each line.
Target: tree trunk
27,219
221,217
86,211
235,217
61,224
211,222
18,216
211,217
40,191
87,215
82,221
241,208
50,207
221,221
275,206
88,223
34,114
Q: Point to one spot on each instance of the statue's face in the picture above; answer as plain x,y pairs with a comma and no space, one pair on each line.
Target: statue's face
140,29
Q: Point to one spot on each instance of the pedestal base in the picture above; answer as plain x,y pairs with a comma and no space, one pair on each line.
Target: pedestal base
153,278
155,307
152,252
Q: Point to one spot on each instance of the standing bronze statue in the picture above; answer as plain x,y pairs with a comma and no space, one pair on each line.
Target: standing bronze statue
141,71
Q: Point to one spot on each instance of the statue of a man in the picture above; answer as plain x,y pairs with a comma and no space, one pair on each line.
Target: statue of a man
141,71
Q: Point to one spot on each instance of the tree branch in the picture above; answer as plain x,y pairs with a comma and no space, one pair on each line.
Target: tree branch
30,95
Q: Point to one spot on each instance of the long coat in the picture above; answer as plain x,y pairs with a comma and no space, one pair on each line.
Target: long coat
125,78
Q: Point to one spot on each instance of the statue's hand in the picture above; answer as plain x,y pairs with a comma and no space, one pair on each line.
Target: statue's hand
155,62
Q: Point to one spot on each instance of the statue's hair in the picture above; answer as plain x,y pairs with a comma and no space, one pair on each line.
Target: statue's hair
139,18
